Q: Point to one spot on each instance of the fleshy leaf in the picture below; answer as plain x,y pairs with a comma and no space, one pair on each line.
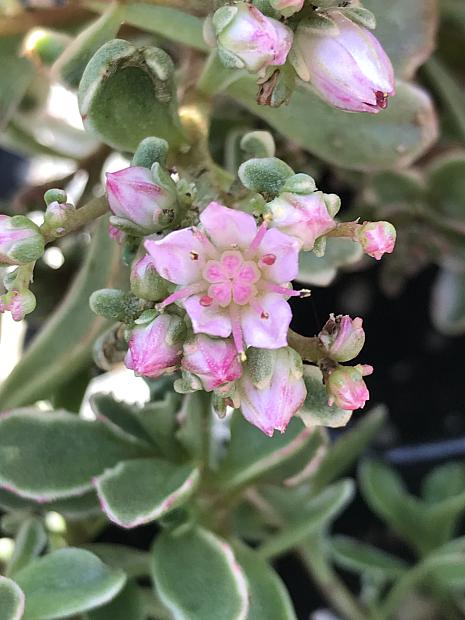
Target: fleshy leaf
252,455
29,542
446,181
64,456
198,578
321,270
362,558
119,416
12,599
67,582
128,605
139,491
17,74
133,562
269,598
358,141
448,301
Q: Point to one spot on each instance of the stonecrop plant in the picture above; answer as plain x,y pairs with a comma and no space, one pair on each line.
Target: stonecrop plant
232,157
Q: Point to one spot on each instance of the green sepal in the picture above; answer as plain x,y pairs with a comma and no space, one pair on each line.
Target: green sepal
300,184
265,175
360,16
115,305
223,17
149,151
258,144
55,195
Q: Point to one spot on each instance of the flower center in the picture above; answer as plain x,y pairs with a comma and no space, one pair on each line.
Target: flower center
232,278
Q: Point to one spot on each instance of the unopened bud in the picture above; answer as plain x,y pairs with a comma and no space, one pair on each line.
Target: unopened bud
19,303
146,283
377,238
20,240
342,337
346,387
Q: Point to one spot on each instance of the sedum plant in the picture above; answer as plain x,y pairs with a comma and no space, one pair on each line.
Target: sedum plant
214,136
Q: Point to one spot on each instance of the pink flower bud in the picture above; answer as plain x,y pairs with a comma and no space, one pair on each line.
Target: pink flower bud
304,216
19,303
20,240
154,348
287,7
249,40
57,214
346,387
116,234
342,337
377,238
214,361
350,70
270,404
137,201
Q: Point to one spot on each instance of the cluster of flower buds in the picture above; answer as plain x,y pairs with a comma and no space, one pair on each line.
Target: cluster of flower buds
331,47
211,300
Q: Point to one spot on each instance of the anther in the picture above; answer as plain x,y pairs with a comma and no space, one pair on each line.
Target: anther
264,315
206,301
269,259
194,255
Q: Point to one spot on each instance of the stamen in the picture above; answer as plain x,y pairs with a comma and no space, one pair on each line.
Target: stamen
381,99
206,301
259,309
268,259
194,255
181,294
236,329
258,238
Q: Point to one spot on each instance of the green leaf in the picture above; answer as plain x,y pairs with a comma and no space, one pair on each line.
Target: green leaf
269,599
12,599
305,516
344,453
133,562
29,542
194,431
197,576
65,343
446,182
158,419
362,558
252,455
128,605
321,270
78,507
444,482
67,582
450,91
119,416
64,456
315,410
407,31
369,142
448,300
16,76
143,490
386,495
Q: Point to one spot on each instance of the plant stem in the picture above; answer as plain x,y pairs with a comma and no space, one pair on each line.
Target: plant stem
94,209
307,347
334,590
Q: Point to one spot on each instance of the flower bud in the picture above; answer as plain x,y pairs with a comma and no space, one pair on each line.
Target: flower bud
154,348
213,360
115,305
377,238
145,281
20,240
287,7
304,216
57,214
271,406
342,337
19,303
346,387
249,40
265,175
139,204
348,68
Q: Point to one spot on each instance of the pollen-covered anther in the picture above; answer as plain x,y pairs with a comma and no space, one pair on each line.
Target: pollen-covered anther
268,259
305,292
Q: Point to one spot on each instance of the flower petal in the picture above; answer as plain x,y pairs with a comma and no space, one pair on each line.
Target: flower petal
228,227
211,320
286,249
265,324
179,257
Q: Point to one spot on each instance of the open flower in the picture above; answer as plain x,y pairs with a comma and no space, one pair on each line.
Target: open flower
248,39
213,360
350,69
377,238
346,387
270,404
233,278
154,348
304,216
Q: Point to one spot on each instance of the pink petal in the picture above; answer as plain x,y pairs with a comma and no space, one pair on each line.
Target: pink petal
211,320
265,324
228,227
286,249
179,257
